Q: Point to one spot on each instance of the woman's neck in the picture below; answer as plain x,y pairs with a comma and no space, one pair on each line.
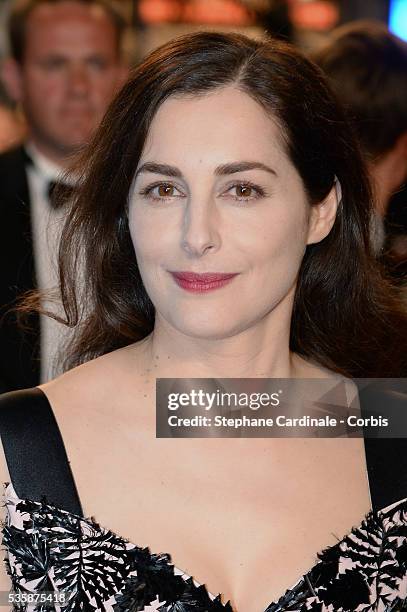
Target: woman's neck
255,352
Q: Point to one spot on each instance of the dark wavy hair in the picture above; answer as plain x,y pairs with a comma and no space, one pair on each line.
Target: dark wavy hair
366,66
346,316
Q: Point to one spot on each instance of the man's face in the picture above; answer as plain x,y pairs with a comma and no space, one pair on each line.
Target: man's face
70,70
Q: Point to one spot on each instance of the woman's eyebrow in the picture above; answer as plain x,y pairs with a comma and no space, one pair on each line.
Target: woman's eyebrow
224,169
241,166
157,168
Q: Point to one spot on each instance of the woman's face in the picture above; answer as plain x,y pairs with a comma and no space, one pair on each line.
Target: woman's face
215,194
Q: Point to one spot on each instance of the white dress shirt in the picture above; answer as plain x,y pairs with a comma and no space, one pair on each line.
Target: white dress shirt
47,224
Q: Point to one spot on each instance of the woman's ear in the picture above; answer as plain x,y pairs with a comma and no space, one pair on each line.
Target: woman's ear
322,215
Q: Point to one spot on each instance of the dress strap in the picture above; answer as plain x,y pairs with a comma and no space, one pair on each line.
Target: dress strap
34,450
386,457
387,470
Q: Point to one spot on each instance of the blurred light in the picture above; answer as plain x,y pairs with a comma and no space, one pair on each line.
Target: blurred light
157,11
398,18
314,14
215,12
224,12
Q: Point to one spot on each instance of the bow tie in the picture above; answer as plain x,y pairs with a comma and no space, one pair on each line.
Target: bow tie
59,193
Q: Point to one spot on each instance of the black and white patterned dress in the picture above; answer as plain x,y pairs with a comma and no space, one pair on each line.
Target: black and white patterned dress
51,549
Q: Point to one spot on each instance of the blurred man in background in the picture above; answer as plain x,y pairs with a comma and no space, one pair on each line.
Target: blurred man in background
65,66
367,67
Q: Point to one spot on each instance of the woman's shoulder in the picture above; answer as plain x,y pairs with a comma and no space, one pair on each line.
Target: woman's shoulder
96,381
79,396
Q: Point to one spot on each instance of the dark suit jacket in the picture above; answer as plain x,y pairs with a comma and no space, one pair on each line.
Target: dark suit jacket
19,350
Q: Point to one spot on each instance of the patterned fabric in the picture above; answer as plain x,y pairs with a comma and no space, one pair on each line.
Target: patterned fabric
50,549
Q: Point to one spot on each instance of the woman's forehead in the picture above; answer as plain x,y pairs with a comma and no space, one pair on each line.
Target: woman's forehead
226,122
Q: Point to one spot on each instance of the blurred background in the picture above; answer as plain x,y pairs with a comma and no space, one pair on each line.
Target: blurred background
305,22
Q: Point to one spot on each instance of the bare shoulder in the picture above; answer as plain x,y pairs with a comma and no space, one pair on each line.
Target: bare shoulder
99,384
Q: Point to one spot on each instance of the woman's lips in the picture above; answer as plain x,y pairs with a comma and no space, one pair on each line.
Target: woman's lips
199,283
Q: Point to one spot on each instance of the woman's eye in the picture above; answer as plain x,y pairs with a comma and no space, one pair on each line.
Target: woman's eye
161,191
166,191
245,191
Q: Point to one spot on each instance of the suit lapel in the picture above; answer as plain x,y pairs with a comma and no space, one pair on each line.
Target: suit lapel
19,352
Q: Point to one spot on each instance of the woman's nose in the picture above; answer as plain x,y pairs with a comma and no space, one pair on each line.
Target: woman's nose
201,229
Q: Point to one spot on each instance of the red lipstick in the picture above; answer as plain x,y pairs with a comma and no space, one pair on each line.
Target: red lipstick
199,283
